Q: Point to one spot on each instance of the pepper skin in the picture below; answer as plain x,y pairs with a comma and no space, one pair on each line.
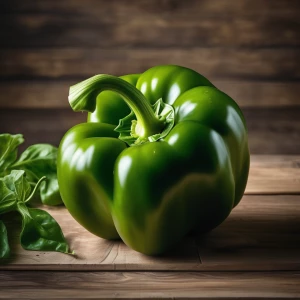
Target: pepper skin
182,165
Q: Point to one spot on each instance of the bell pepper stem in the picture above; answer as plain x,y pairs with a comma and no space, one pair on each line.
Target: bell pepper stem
82,97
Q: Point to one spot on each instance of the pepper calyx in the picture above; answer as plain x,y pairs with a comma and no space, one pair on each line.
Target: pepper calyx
129,127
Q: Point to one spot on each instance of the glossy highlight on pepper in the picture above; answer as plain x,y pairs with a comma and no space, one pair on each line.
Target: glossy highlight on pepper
162,153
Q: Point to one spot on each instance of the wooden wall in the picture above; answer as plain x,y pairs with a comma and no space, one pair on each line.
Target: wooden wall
249,48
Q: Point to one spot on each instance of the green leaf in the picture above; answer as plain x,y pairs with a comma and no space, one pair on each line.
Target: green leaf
49,191
16,181
40,160
13,187
7,198
4,247
40,231
8,149
37,159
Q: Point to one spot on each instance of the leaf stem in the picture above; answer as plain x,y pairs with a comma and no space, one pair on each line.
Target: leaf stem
35,188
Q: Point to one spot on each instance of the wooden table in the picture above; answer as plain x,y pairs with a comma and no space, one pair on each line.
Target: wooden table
250,50
255,253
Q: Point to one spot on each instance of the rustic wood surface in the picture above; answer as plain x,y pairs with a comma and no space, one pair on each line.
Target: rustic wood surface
151,23
247,48
253,254
44,94
149,285
274,174
262,233
215,63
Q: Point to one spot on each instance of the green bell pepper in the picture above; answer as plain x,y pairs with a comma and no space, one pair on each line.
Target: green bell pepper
163,153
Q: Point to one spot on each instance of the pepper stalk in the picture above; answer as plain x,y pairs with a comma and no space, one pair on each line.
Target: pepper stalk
152,121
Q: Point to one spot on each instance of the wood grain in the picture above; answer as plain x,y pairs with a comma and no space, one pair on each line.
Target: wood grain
249,49
54,93
214,63
119,8
273,174
40,126
249,239
262,233
144,25
271,130
92,253
142,285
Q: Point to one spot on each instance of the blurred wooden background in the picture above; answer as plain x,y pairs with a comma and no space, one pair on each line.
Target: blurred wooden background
248,48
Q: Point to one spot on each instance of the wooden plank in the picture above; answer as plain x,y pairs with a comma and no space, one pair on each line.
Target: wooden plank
261,94
118,7
110,26
262,233
215,63
141,285
40,126
273,174
179,9
54,93
249,238
92,252
271,130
